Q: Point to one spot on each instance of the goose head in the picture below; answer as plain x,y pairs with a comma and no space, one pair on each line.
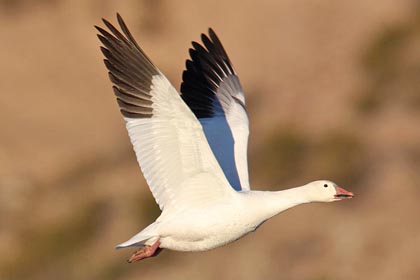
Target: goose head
326,191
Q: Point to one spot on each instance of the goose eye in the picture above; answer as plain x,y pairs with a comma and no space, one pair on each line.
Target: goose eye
325,185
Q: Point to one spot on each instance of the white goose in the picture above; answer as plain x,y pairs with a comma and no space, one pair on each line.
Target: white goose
192,148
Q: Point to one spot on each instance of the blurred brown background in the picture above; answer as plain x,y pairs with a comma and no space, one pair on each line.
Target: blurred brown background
333,91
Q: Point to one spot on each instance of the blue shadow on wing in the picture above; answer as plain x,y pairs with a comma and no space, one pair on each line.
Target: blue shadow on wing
220,138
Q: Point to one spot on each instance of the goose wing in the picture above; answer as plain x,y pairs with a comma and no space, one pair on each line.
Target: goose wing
168,140
212,90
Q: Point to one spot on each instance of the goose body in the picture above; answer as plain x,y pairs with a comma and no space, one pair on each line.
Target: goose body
206,227
192,148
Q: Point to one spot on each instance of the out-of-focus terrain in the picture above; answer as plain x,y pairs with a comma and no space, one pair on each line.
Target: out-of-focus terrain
333,91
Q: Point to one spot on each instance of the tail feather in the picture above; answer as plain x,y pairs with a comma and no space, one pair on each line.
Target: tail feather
140,238
132,242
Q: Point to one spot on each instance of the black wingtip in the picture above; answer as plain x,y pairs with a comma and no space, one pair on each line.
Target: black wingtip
106,22
129,70
103,32
99,29
205,71
212,33
215,39
120,19
105,52
191,51
198,47
111,27
204,37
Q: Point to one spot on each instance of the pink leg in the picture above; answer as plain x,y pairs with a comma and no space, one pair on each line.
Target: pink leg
145,252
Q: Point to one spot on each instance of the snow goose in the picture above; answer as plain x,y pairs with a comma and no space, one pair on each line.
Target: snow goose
192,148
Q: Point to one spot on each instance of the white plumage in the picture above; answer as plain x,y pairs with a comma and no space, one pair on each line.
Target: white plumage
192,149
172,150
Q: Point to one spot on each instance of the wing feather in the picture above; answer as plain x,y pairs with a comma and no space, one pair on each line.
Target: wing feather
212,90
168,140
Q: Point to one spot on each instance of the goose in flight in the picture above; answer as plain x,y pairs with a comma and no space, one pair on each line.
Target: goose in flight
192,147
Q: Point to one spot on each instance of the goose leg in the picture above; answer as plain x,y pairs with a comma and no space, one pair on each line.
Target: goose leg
145,252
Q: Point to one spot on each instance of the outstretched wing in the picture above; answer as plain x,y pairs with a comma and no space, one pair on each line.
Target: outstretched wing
213,92
168,140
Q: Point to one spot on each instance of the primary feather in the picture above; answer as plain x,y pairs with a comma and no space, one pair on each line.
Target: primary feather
168,140
212,90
